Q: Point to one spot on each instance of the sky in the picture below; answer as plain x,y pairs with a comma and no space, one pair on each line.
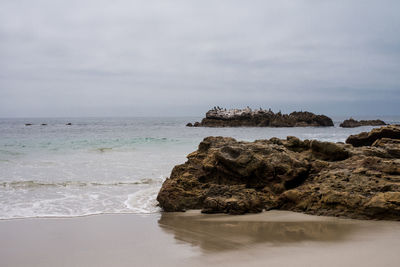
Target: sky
72,58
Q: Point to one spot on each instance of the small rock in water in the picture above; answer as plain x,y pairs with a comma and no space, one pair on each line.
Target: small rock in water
68,123
352,123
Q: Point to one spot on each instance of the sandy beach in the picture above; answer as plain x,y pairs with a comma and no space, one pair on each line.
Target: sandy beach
199,133
274,238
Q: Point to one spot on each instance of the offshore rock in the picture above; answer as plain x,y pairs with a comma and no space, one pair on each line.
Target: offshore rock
322,178
352,123
219,117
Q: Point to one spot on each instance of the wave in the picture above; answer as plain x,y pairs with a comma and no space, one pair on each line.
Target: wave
27,199
33,184
17,149
11,153
143,201
104,149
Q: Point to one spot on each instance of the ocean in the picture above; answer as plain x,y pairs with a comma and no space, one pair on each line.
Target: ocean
108,165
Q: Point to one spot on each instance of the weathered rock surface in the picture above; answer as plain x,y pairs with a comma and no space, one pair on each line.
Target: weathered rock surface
352,123
323,178
367,139
218,117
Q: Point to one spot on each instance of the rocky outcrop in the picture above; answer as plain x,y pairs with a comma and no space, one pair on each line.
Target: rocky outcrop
368,138
323,178
218,117
352,123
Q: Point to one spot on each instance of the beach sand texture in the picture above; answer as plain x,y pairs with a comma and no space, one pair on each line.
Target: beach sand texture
274,238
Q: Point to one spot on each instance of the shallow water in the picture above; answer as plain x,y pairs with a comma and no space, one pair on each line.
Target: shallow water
232,234
107,165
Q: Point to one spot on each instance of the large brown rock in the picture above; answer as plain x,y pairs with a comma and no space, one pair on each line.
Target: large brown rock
229,176
367,139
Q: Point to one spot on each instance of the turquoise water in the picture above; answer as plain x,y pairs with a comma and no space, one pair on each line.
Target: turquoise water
107,165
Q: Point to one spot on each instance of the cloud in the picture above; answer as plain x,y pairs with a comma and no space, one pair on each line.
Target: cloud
71,58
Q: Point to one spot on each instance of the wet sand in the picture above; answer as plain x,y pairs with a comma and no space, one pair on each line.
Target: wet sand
274,238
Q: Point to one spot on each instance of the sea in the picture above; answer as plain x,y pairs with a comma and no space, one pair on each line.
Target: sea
109,165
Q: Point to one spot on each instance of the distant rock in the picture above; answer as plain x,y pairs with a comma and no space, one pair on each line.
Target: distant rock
351,123
68,124
44,124
219,117
28,124
321,178
189,124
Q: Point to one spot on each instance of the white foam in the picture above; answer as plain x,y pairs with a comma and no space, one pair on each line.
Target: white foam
143,201
75,200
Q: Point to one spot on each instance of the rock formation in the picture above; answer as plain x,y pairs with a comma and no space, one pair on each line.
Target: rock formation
351,123
218,117
323,178
368,139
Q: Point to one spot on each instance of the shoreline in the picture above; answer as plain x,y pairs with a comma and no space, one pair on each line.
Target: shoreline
192,212
79,216
278,238
69,160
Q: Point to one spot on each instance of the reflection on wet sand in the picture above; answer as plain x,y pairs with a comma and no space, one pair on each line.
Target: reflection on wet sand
222,232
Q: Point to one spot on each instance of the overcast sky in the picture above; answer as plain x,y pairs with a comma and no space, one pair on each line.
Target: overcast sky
138,58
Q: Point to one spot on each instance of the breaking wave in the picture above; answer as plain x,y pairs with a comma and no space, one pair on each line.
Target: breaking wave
143,201
27,199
